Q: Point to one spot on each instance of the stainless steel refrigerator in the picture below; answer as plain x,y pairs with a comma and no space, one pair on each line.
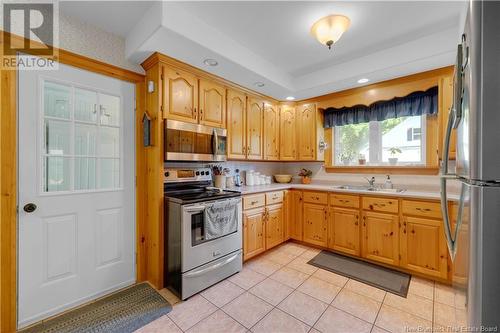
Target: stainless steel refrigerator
473,234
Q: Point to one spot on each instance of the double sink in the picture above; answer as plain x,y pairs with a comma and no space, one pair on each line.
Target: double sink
369,188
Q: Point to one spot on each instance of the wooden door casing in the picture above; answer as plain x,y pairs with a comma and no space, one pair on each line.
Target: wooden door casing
236,121
288,133
423,247
274,225
181,96
212,104
253,233
271,132
379,238
344,230
254,128
315,224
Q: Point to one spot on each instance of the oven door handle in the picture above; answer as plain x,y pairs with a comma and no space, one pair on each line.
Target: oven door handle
211,268
193,209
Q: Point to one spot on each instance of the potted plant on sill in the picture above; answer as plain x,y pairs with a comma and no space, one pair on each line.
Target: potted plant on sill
346,157
394,151
306,176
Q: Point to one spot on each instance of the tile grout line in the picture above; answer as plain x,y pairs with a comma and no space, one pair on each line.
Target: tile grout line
378,312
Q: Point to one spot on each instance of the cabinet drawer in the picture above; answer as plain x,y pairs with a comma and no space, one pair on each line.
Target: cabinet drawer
316,197
380,204
343,200
254,201
422,208
274,197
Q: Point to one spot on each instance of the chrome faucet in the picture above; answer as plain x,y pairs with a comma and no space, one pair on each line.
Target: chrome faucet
371,182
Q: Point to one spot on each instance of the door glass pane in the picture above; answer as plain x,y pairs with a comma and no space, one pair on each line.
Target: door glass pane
109,173
109,142
57,137
110,110
85,105
56,174
57,98
85,139
85,173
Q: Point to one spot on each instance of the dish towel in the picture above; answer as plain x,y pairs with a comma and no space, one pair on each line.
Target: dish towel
221,218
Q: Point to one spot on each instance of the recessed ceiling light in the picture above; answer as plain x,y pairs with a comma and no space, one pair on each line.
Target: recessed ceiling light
363,80
210,62
259,84
290,98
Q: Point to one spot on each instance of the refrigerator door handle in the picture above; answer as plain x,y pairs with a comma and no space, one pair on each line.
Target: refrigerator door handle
451,240
446,146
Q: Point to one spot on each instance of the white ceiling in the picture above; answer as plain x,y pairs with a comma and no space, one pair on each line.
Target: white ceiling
270,41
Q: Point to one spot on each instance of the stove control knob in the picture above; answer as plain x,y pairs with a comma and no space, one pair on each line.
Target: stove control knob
203,173
197,173
167,173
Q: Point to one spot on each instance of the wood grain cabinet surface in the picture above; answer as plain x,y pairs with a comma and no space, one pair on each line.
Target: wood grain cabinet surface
380,239
253,232
236,121
288,133
181,96
212,104
271,132
306,119
254,128
296,215
274,225
315,224
344,230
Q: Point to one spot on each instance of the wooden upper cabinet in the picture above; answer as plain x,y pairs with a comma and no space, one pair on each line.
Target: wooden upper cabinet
306,124
274,225
445,104
380,240
315,224
212,104
236,119
344,230
271,132
181,96
423,247
254,125
253,233
295,215
288,133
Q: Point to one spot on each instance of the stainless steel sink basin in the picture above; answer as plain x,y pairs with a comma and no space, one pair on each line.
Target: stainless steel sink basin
369,188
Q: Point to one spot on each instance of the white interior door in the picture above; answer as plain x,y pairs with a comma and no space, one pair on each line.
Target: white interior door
77,165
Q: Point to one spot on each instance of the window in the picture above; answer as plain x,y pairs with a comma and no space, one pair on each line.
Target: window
398,141
81,139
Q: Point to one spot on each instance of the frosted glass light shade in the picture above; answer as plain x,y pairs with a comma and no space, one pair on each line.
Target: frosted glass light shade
328,30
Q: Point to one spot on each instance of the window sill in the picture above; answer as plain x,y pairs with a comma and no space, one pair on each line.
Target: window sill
394,170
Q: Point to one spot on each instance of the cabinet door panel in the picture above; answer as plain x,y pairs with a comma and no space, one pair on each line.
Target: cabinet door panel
253,233
236,118
315,224
271,132
380,240
181,95
306,119
288,133
212,104
344,231
423,247
274,226
295,215
255,111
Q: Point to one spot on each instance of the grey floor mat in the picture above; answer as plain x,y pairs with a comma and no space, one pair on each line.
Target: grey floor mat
124,311
381,277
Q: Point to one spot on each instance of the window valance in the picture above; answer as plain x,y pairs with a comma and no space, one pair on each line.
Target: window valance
415,104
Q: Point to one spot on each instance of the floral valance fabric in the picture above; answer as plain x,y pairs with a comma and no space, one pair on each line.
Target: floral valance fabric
415,104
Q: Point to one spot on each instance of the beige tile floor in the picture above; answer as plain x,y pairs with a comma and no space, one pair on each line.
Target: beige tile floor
280,292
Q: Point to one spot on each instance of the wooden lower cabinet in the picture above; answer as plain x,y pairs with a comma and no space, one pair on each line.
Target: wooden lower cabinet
344,230
253,232
315,224
423,247
274,225
379,239
295,215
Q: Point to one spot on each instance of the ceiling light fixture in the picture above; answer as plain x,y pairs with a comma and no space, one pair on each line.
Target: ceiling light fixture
259,84
290,98
363,80
210,62
329,29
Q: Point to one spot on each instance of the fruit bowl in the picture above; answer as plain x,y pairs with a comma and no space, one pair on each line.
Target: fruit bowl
283,178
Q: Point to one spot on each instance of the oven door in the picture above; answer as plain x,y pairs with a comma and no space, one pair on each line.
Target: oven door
193,142
196,249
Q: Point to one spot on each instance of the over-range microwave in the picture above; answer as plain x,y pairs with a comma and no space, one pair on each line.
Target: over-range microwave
193,142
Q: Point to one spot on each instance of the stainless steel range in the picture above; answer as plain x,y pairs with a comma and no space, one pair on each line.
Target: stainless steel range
203,231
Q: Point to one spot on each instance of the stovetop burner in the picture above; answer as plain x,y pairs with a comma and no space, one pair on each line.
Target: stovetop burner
192,197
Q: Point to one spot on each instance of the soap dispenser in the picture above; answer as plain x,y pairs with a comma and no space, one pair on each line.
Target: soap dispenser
388,183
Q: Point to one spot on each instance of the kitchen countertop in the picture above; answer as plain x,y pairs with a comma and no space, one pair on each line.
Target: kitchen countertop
410,193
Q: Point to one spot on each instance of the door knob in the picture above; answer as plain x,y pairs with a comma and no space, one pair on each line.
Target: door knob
29,207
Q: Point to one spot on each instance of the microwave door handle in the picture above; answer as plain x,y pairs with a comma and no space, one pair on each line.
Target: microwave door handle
215,143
